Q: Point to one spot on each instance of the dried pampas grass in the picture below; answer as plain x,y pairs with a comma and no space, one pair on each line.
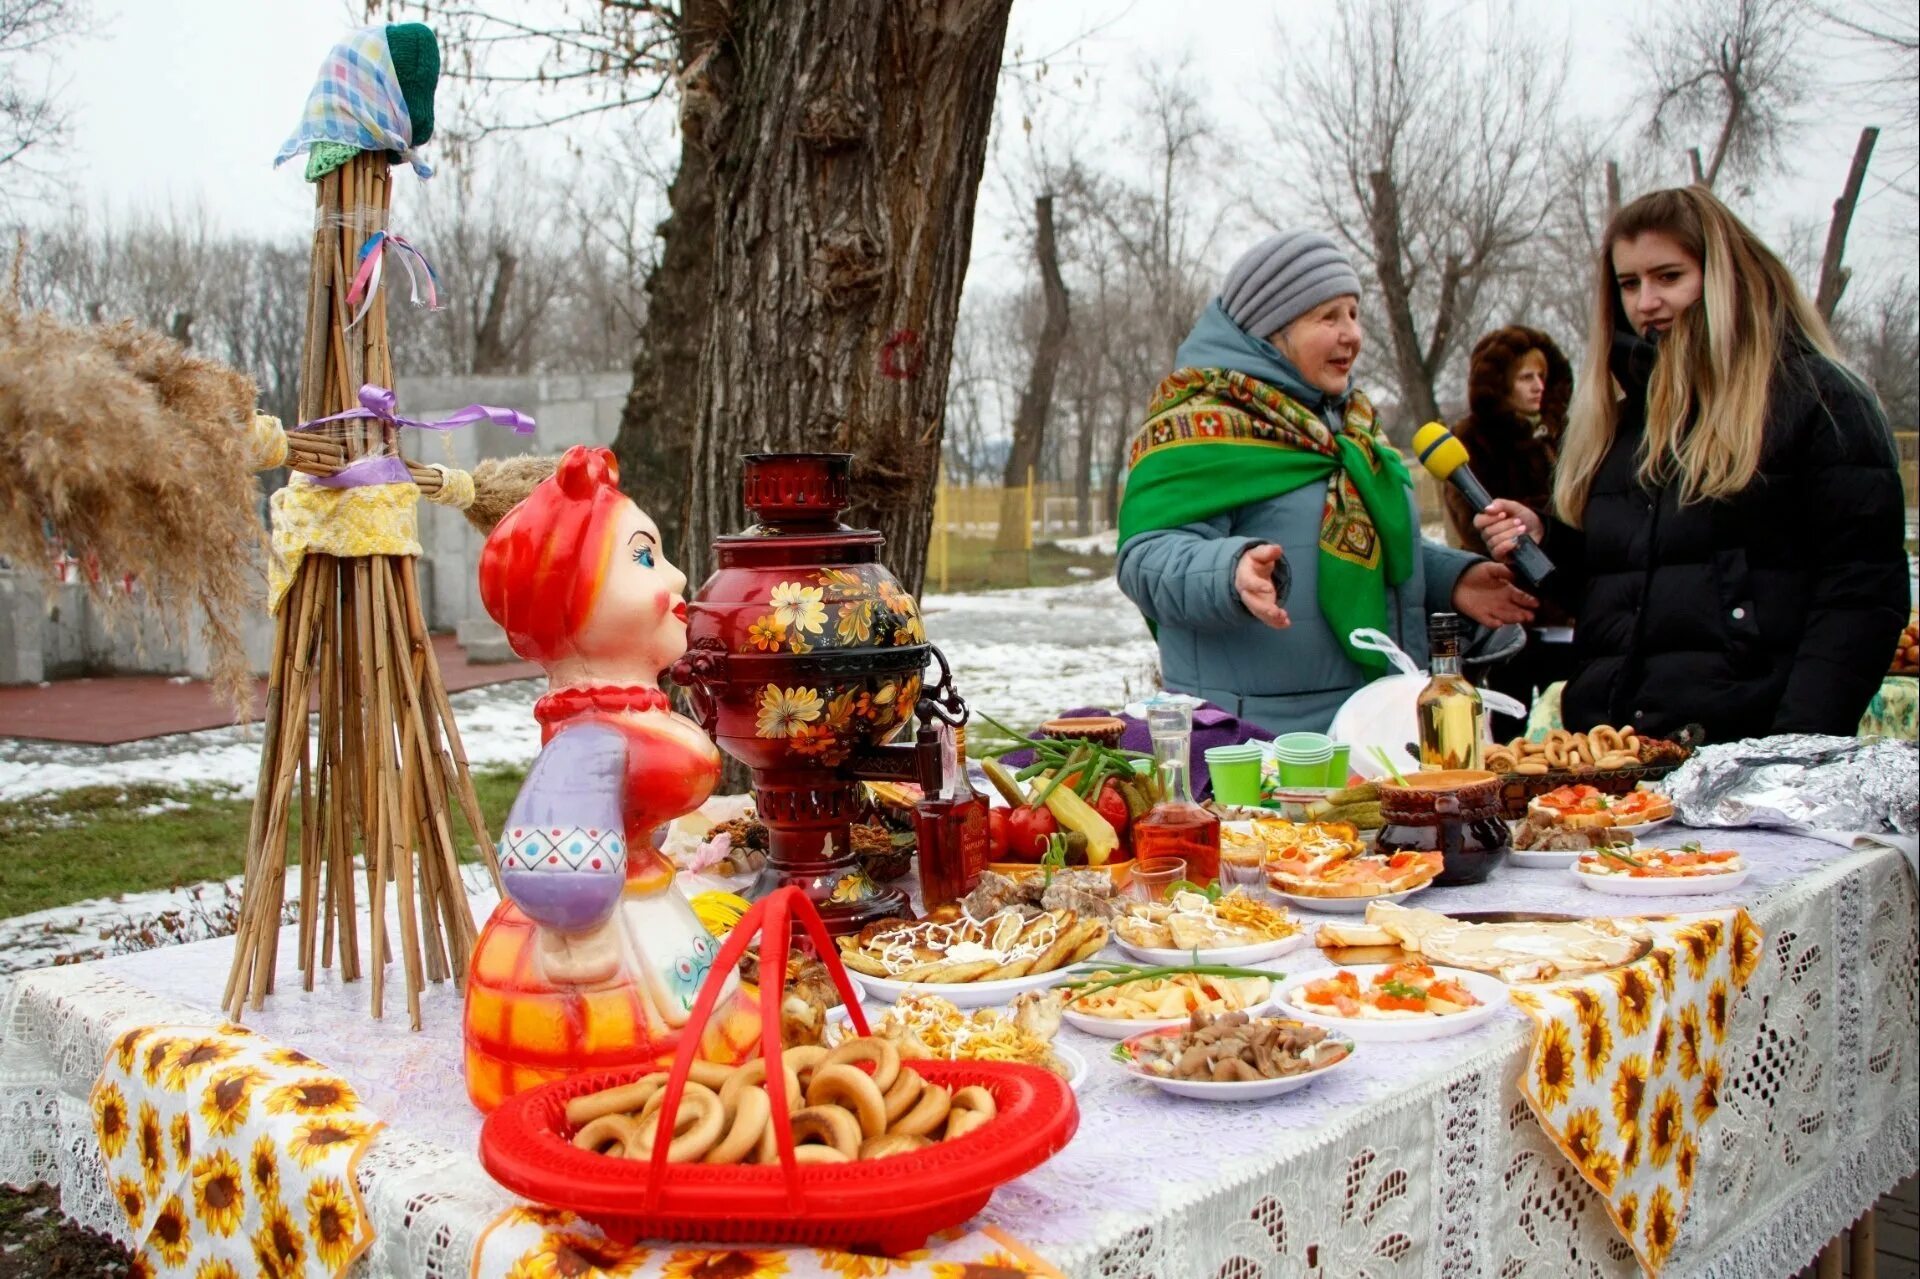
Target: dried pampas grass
135,454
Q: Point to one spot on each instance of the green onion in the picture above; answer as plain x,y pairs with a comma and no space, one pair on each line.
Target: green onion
1400,990
1090,987
1054,781
1622,857
1386,762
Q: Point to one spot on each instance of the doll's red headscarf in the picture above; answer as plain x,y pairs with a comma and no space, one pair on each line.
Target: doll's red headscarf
542,566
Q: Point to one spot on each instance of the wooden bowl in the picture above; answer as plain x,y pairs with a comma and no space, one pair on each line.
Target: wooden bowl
1452,792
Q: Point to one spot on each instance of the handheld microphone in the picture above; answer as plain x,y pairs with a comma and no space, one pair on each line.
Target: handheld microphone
1446,459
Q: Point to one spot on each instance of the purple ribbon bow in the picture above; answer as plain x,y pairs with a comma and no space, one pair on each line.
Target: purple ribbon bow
379,403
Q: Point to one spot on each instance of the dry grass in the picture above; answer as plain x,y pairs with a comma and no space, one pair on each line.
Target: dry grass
133,453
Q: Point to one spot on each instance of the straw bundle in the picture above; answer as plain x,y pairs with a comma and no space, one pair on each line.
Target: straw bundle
380,780
135,455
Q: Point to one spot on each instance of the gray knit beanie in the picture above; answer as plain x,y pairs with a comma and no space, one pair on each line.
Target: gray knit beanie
1282,278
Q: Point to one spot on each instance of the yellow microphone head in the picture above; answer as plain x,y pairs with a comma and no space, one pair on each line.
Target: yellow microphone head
1438,451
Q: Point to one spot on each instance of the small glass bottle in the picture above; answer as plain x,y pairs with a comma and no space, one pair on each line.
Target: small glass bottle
951,830
1449,707
1176,826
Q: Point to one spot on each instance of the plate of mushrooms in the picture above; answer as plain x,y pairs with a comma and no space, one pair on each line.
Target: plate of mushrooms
1234,1057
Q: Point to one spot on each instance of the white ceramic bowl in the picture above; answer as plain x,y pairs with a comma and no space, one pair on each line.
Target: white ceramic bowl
1490,991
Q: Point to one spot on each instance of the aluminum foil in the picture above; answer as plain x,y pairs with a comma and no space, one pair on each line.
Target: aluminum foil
1803,780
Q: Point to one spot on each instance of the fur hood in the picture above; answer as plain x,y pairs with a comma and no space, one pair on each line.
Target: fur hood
1490,378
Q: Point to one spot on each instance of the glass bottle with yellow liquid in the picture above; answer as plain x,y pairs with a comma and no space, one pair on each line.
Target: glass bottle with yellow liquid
1449,707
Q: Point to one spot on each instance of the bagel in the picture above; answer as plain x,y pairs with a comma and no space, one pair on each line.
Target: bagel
962,1122
975,1097
893,1143
829,1125
697,1126
606,1135
928,1113
1533,766
1556,752
1605,739
854,1089
905,1091
802,1058
623,1100
752,1116
710,1074
821,1155
883,1053
754,1074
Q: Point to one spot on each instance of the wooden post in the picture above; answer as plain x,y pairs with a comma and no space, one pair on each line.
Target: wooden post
1693,164
1834,276
1861,1258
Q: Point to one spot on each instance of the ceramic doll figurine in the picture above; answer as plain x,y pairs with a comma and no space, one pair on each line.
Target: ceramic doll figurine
594,959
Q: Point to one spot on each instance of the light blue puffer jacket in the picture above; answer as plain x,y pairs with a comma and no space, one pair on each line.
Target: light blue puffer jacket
1182,578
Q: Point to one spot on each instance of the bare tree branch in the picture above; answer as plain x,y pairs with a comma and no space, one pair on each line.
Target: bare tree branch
1733,70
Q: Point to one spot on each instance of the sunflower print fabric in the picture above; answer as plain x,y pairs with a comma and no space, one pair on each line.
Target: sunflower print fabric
532,1242
1626,1068
231,1156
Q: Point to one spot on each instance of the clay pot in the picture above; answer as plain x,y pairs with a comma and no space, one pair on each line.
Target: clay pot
1105,730
1454,812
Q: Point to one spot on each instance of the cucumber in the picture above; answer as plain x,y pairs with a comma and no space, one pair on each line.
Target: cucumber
1003,782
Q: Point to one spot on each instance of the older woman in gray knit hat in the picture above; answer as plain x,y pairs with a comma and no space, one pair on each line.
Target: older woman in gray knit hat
1258,456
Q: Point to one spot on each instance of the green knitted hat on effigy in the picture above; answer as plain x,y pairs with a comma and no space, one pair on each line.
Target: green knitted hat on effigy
416,62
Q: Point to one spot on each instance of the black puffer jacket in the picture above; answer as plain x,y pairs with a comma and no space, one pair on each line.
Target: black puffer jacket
1773,611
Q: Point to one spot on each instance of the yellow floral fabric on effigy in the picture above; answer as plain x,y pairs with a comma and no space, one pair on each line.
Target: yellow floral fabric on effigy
231,1155
1626,1068
531,1242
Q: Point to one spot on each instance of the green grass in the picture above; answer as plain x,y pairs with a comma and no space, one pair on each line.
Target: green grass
973,566
101,841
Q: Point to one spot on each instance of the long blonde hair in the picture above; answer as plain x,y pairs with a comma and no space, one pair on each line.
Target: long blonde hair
1708,396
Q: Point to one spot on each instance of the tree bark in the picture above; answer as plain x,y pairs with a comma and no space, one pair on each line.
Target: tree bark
1613,190
654,443
1036,398
1116,469
490,347
849,141
1396,295
1833,275
1083,466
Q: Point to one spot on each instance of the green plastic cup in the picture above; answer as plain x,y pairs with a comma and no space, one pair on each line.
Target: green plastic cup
1338,766
1235,771
1302,759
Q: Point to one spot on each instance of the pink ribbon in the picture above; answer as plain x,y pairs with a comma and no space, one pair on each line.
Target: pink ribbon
372,258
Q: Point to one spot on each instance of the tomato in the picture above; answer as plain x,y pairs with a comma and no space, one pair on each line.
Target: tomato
1112,805
1409,973
1398,1004
1027,831
998,833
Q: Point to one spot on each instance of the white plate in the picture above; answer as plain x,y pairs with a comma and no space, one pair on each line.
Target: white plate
1232,956
1490,991
1540,859
1343,905
1240,1090
1640,828
1114,1028
963,994
1692,886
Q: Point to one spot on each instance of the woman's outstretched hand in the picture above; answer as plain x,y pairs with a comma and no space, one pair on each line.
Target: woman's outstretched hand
1253,582
1486,593
1502,523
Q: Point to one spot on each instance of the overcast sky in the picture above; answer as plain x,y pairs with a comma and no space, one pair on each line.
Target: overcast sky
183,102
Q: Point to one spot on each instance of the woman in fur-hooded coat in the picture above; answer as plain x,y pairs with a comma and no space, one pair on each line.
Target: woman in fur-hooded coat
1512,450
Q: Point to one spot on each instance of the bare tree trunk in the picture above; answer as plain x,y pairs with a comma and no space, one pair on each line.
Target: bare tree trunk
1396,295
849,141
1036,399
655,441
1699,174
1613,189
1083,466
490,348
1116,467
1834,276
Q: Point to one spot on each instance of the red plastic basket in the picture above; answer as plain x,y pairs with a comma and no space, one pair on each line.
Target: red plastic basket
888,1205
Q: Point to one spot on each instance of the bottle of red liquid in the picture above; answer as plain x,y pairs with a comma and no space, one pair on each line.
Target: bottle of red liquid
1176,826
951,831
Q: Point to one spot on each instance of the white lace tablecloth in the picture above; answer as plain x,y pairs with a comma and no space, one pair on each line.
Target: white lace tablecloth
1420,1159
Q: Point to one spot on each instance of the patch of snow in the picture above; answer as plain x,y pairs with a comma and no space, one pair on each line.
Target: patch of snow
1106,542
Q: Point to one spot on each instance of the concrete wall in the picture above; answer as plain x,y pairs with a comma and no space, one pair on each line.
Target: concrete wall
71,635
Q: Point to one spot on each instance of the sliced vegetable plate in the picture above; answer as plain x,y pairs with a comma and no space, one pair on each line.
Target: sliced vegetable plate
1126,1028
1657,885
1238,1090
1490,991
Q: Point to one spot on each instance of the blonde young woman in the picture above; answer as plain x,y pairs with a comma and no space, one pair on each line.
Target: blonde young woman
1727,513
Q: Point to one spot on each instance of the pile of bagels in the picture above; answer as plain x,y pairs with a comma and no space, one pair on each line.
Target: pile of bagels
854,1101
1596,750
